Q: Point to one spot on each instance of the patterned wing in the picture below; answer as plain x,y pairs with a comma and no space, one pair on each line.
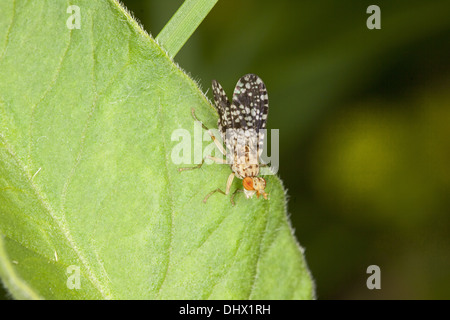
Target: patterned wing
223,108
249,111
250,103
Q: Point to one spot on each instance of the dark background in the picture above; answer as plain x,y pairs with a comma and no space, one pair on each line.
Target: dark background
364,119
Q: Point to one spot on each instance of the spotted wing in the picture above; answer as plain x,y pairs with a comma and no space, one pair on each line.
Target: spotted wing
223,108
249,111
250,104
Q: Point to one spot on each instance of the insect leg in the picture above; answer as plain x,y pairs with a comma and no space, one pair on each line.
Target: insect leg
233,195
211,193
216,160
218,144
192,168
229,182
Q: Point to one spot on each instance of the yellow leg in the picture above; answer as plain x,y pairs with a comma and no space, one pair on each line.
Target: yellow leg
211,193
216,160
218,144
233,195
229,182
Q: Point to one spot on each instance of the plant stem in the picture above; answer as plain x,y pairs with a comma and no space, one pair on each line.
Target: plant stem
183,24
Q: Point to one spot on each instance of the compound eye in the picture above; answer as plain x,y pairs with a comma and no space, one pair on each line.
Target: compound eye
248,183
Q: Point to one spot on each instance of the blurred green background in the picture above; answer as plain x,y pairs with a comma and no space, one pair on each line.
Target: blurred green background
364,119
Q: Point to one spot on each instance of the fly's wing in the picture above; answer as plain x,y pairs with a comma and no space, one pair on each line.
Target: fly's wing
249,111
223,108
250,103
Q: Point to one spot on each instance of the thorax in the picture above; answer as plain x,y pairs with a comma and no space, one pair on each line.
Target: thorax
243,170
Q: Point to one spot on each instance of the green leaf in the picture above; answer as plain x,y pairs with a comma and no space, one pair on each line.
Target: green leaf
86,177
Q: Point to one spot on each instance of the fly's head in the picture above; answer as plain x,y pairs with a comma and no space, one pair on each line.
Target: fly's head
254,185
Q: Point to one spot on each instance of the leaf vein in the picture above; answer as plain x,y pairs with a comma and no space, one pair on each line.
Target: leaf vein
9,31
166,166
44,95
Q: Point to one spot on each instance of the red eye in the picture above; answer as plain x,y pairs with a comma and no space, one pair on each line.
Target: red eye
248,183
